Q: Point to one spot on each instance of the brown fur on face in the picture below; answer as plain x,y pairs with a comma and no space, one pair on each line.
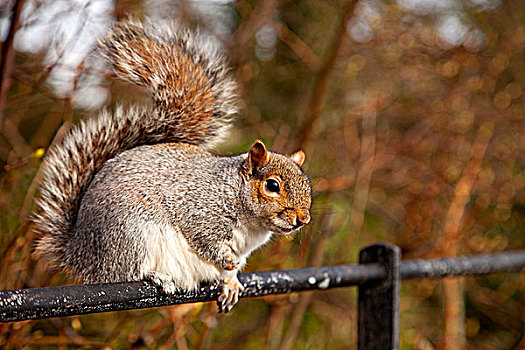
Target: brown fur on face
288,208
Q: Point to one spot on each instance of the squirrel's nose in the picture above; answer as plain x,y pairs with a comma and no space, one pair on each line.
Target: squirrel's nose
303,217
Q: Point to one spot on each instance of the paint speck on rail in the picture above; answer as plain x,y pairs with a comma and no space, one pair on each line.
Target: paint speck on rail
324,283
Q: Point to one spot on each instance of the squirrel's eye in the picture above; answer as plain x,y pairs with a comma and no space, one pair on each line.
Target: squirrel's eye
272,185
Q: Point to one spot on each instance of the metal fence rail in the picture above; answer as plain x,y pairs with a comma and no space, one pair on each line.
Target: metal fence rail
378,276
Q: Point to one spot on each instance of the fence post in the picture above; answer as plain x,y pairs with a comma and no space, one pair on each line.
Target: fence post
378,316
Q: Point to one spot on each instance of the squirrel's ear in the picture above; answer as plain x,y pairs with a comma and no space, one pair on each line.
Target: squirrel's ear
258,155
298,157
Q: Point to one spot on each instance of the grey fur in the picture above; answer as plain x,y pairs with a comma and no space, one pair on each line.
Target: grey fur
133,194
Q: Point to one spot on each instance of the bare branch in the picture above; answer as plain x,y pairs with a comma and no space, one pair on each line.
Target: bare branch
323,83
8,55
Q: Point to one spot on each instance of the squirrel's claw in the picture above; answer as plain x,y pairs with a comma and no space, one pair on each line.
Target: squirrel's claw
163,281
231,289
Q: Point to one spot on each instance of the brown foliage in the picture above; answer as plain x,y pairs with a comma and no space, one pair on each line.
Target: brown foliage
412,117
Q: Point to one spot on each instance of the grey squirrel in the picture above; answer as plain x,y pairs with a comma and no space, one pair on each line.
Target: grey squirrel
134,194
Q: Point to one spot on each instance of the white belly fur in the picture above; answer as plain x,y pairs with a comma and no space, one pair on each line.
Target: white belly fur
168,253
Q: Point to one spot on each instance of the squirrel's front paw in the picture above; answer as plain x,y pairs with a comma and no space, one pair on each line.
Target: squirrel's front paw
230,261
231,289
163,281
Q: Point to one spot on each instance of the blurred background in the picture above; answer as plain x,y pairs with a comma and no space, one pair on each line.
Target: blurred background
411,116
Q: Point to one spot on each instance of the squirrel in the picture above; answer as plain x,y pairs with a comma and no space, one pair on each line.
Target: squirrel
136,195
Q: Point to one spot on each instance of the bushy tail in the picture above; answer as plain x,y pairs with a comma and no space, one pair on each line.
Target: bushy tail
193,93
194,101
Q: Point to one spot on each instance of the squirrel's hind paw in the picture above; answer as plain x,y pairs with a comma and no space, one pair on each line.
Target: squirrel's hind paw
163,281
231,289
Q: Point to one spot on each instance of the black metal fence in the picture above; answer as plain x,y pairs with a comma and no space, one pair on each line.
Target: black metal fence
378,275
